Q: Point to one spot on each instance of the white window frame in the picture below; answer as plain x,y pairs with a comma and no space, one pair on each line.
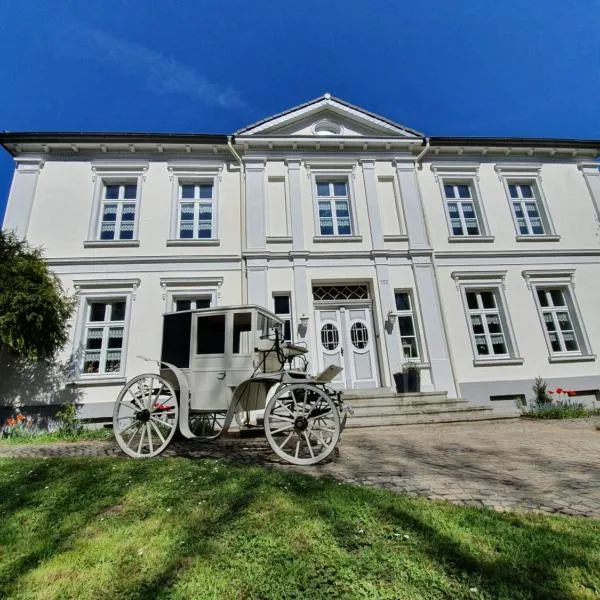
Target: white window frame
189,173
121,173
285,316
107,290
463,174
494,281
319,173
527,174
563,279
413,314
120,201
183,288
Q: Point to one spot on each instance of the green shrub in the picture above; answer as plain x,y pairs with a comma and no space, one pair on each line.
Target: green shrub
560,410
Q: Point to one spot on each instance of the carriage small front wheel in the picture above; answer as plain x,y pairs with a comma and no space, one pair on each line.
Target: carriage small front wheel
302,424
145,416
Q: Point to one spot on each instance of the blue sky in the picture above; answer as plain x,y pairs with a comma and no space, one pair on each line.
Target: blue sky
460,67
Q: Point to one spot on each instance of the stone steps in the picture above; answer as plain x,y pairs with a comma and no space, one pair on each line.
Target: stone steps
384,407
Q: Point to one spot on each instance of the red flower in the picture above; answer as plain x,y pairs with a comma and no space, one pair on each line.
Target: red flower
551,391
571,392
20,417
11,422
559,390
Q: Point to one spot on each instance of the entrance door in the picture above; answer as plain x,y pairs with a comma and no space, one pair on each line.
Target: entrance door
345,338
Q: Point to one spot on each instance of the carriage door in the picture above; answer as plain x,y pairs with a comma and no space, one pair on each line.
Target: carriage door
345,338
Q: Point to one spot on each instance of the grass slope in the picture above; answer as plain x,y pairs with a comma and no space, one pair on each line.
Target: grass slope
183,529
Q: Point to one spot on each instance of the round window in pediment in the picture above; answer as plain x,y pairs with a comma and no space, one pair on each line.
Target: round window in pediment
327,127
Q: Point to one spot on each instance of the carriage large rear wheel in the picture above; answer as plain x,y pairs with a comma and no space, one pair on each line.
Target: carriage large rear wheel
302,424
145,416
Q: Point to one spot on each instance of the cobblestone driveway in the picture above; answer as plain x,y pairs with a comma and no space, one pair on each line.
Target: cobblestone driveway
506,465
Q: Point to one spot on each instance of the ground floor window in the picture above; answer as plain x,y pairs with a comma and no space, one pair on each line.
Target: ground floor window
103,336
407,325
282,307
191,302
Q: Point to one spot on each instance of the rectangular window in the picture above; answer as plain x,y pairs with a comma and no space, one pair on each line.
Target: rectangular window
462,209
526,209
333,204
242,332
191,303
558,319
486,323
282,307
407,325
195,211
103,336
117,211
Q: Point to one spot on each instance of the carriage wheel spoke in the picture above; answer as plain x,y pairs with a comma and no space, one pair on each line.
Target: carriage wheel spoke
160,435
284,428
282,405
309,445
149,434
157,395
287,439
143,429
130,405
297,447
135,432
160,422
135,399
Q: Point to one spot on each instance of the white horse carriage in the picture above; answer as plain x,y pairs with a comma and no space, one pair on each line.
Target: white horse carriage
221,364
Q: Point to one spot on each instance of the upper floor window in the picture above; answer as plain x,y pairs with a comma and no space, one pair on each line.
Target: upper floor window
407,325
522,184
195,211
333,203
461,209
118,211
526,209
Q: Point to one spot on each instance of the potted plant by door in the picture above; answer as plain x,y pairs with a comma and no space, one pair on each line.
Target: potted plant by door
412,377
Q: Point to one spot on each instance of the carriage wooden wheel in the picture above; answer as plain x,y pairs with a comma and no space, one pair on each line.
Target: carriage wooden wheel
145,416
302,424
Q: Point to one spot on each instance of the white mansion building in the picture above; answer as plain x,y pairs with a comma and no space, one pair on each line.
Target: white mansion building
477,258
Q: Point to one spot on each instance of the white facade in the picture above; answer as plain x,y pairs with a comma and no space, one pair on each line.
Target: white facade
477,259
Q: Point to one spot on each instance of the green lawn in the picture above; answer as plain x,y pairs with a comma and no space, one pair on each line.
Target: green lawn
181,528
35,438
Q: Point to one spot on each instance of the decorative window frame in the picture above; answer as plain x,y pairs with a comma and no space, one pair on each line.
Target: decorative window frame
530,174
563,278
101,290
488,280
323,171
194,173
114,173
175,288
465,173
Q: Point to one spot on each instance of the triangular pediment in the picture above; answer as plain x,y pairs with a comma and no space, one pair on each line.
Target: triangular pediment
329,117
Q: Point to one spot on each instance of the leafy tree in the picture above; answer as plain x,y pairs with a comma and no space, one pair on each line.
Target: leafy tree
34,310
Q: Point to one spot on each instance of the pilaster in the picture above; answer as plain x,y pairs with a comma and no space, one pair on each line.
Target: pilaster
373,210
592,180
295,189
255,203
22,193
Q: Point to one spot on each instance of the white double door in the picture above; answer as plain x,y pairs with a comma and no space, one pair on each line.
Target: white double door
345,338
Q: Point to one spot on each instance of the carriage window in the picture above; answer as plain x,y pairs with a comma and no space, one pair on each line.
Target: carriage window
242,333
210,334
